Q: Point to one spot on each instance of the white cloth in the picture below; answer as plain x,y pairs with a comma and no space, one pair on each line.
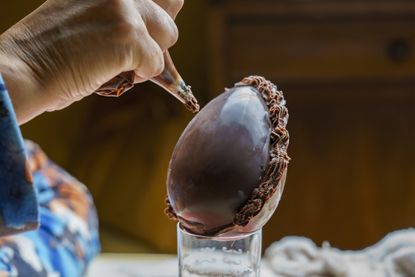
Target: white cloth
393,256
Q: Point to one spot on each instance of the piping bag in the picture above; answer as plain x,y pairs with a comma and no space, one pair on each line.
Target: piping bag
169,79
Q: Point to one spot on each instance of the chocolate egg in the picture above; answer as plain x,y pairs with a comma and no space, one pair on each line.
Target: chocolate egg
228,168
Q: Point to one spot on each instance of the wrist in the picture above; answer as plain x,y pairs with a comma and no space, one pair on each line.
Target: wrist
20,82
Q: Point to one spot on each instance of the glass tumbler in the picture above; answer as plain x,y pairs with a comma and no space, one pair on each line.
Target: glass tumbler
217,256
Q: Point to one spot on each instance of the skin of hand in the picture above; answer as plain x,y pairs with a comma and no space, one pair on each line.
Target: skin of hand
66,49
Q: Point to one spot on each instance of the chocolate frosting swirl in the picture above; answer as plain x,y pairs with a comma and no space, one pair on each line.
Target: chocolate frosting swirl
279,141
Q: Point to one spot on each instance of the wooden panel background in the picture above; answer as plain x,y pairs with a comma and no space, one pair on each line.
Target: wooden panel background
347,70
348,73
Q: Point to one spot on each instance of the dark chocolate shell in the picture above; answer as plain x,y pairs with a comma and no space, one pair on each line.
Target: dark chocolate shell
228,168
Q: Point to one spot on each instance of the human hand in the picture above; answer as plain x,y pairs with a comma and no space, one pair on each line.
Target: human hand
65,50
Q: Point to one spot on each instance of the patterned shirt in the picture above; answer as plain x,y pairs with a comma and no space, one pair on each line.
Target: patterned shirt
48,222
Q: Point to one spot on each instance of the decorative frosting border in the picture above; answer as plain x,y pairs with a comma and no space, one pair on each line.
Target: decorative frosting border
279,140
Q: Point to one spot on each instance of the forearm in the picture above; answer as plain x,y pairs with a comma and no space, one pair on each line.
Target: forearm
23,88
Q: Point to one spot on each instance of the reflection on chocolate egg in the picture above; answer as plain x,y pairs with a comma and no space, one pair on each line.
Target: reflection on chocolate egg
228,168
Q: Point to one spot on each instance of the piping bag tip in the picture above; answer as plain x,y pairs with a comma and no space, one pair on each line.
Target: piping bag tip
173,83
190,101
169,79
178,88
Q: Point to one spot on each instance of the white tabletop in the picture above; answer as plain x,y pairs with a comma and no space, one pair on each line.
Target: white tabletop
141,265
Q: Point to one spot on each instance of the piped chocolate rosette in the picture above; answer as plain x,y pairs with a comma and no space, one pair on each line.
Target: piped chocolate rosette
228,169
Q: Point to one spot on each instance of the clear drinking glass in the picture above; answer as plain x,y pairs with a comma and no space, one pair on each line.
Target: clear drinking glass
211,256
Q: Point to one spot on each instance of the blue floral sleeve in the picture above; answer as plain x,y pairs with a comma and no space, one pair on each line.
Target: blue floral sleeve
36,192
18,204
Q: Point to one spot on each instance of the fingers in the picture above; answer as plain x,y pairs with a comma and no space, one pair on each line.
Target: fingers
138,79
150,58
160,26
159,34
172,7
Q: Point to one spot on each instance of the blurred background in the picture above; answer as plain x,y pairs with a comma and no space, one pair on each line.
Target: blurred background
347,69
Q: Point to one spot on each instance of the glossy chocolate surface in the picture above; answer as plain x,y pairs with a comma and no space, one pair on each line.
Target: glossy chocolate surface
219,160
228,169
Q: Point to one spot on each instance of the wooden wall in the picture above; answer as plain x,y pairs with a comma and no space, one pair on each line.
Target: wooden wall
347,69
348,72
